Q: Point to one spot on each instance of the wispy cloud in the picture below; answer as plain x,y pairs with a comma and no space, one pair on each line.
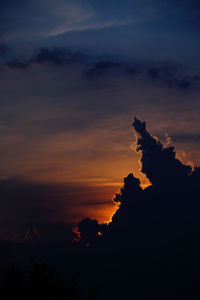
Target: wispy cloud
38,18
91,26
49,18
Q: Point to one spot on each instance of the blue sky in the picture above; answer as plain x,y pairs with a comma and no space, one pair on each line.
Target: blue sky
165,30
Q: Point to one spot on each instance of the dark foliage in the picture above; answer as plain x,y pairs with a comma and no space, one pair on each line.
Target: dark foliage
42,280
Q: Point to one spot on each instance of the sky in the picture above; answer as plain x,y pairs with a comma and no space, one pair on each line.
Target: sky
73,74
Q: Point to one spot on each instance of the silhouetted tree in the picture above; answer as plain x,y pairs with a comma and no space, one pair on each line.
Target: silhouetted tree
42,280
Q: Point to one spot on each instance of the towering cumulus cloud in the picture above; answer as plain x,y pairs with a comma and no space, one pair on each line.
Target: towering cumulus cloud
155,233
158,163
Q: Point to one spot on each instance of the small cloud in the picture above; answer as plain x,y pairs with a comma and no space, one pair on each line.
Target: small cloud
101,24
56,56
168,75
112,68
103,67
4,49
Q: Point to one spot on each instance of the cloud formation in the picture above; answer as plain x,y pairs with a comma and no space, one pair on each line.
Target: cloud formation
56,56
167,74
164,211
155,230
4,49
164,74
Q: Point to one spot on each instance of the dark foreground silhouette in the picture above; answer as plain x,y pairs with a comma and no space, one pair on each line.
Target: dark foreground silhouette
41,280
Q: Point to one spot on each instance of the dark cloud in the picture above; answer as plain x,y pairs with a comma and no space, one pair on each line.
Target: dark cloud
169,75
170,180
111,68
103,67
159,164
172,185
164,74
155,231
4,49
89,230
56,56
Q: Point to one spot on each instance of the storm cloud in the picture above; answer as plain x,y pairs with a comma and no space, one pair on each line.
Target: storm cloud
154,229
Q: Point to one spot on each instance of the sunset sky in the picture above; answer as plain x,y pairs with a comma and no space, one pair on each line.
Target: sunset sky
73,74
